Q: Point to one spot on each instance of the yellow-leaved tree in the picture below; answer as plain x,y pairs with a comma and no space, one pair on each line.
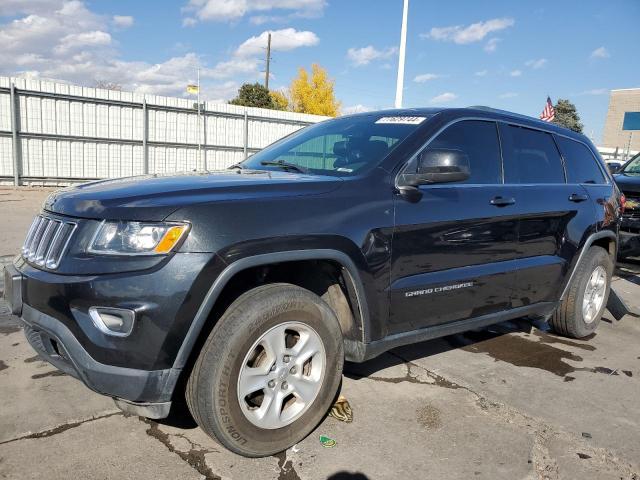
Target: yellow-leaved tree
279,100
313,95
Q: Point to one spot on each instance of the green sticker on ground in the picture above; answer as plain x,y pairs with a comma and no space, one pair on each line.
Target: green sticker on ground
327,442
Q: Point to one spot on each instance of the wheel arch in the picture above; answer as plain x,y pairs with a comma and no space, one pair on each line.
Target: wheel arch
606,239
236,268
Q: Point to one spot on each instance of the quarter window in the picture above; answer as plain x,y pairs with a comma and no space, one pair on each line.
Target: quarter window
479,140
581,165
530,156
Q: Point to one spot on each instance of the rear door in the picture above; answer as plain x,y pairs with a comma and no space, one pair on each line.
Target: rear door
453,250
553,214
585,170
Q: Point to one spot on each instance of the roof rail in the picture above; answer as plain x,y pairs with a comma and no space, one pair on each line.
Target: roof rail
504,112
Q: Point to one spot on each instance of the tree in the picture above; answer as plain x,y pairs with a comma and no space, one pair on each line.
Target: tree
253,95
314,95
567,115
279,100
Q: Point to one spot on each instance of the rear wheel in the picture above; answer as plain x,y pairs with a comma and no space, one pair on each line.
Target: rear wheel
579,313
268,372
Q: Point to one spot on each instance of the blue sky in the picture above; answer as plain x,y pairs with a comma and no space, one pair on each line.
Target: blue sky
505,54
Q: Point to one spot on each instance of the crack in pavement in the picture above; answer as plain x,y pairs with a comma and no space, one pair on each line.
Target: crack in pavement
195,457
545,466
59,429
287,470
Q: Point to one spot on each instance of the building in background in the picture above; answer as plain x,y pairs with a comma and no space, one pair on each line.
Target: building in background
616,141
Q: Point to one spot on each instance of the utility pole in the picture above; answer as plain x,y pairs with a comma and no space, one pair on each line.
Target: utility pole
266,76
403,46
199,163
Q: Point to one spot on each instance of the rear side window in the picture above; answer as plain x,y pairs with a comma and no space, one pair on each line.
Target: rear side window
530,156
479,140
581,165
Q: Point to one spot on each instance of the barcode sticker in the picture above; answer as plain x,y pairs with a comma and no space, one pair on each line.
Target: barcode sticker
402,120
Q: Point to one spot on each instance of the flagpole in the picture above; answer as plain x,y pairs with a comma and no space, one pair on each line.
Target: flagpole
401,56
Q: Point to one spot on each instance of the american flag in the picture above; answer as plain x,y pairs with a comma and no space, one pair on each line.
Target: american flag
549,113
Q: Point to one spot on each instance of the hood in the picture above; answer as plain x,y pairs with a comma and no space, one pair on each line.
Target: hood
629,184
154,197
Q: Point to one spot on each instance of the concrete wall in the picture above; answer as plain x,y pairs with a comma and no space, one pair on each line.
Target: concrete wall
620,101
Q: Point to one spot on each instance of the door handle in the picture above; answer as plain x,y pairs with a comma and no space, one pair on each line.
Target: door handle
502,201
577,197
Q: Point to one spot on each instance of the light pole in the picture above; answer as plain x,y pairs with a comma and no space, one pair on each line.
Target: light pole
403,46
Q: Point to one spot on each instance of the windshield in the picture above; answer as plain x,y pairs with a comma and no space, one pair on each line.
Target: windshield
340,147
633,167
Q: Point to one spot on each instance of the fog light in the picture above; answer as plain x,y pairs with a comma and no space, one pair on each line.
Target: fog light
113,321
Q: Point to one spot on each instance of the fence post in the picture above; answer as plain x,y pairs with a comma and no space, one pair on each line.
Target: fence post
15,128
246,134
145,136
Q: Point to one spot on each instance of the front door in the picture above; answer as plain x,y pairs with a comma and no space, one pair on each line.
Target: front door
453,250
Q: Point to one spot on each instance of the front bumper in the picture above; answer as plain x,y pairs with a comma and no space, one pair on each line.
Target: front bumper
136,371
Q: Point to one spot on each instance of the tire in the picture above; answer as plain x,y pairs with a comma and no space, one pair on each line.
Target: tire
264,313
569,319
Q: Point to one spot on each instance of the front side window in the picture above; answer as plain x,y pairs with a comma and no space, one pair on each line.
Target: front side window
633,167
478,140
340,147
581,165
530,156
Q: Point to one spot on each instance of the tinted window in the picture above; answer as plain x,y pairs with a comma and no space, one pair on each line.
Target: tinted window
580,163
530,156
341,147
479,140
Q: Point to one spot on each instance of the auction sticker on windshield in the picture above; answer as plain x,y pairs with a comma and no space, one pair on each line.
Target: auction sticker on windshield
402,120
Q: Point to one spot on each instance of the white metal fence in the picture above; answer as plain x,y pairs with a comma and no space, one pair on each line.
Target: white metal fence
54,133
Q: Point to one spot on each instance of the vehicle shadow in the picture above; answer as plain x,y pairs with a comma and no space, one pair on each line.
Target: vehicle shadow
437,346
348,476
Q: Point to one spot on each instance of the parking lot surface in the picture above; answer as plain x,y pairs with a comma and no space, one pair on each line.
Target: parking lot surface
510,402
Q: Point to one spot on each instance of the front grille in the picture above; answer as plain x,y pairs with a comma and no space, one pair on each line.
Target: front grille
47,241
633,207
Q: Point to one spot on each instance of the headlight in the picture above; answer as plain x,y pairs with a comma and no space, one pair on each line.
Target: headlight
136,238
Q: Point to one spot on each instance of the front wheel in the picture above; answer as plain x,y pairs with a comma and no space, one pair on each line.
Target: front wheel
579,312
269,371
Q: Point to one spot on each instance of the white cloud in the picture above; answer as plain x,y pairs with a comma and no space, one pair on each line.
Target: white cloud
64,40
508,95
481,73
281,40
443,98
515,73
228,10
491,45
425,77
475,32
365,55
359,108
600,52
79,41
596,91
536,64
123,21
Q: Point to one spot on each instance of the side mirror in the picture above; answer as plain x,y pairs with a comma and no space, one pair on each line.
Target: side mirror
439,166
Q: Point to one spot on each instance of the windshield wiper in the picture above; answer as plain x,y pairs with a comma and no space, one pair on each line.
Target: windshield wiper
238,166
285,165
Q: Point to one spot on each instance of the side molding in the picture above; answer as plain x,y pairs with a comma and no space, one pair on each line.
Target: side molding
592,238
266,259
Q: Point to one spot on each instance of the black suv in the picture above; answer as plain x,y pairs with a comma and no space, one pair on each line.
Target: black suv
245,290
628,180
